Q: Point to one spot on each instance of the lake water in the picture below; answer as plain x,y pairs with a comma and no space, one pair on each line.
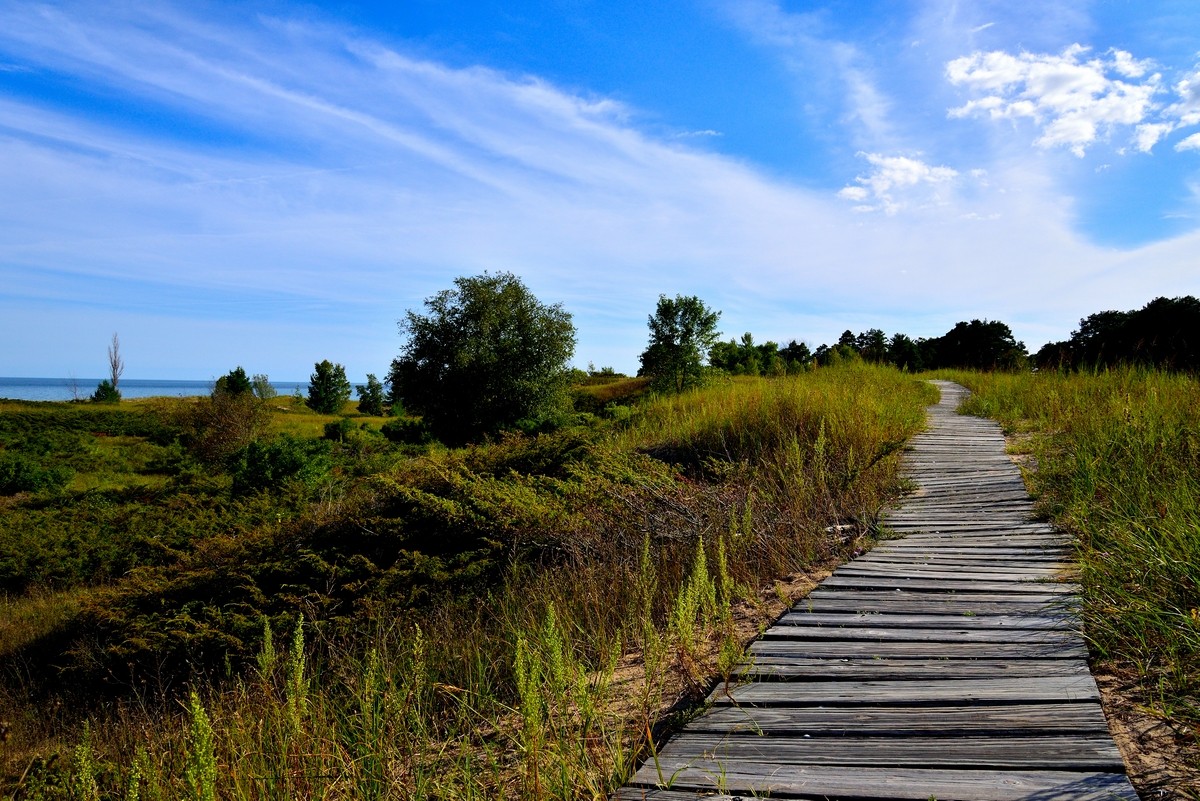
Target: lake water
65,389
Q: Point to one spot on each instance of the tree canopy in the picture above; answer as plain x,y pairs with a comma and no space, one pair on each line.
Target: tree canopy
682,332
485,356
235,382
1164,333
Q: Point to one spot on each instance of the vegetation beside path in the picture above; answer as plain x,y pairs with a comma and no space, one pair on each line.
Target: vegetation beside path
1116,462
510,619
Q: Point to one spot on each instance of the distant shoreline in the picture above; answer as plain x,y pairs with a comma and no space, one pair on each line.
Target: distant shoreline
66,389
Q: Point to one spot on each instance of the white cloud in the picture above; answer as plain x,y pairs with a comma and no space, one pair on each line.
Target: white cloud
896,182
1187,109
1074,100
1148,134
1190,143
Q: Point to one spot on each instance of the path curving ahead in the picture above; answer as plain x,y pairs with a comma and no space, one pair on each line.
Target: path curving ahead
944,664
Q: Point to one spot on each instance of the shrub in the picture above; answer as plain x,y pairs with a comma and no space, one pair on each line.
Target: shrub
267,465
20,473
407,431
106,393
339,429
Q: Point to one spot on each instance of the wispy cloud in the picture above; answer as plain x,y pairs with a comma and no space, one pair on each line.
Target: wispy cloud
897,181
301,184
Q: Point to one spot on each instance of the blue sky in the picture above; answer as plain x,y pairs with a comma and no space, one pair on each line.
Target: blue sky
271,184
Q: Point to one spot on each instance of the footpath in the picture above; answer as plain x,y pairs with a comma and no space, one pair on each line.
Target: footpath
944,664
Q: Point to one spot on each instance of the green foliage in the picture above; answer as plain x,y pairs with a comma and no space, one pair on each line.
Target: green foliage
217,427
268,465
338,430
682,330
201,771
22,473
106,393
370,397
746,358
262,387
235,382
1161,334
486,354
328,388
522,553
407,431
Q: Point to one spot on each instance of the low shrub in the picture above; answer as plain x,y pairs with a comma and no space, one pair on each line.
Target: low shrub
22,473
407,431
267,465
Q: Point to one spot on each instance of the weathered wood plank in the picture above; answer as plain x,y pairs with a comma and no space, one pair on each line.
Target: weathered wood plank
926,621
876,784
1064,752
1064,689
998,720
870,649
956,636
766,667
950,585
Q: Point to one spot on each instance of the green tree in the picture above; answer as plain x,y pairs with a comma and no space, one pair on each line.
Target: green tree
370,397
485,356
682,331
903,352
328,388
263,387
106,393
235,382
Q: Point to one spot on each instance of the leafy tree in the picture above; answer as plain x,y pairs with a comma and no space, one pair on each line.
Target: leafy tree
796,356
235,382
486,355
218,426
328,388
370,397
262,387
682,331
978,345
1163,334
872,345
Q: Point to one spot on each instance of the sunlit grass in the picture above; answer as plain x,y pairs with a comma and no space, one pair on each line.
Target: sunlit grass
1118,465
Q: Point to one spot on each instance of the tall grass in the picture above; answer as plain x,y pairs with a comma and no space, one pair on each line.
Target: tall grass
1118,465
639,560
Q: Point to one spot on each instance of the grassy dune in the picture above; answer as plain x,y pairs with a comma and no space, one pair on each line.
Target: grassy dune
513,620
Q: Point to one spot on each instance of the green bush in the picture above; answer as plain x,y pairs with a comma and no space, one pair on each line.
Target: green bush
267,465
407,431
106,393
20,473
339,430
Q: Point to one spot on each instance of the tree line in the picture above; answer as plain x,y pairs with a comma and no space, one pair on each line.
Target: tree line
486,355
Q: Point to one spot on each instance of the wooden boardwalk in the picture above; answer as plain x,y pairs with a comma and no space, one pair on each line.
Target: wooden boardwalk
942,665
